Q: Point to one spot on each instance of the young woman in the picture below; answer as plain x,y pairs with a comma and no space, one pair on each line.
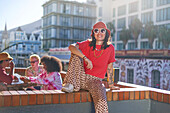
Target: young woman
98,56
35,69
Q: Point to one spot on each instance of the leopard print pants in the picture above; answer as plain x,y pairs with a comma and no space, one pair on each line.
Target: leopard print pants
77,77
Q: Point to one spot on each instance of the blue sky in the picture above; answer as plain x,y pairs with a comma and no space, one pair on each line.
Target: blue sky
20,12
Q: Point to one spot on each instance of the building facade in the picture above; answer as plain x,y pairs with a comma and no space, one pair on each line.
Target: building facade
144,67
122,12
103,9
66,22
22,45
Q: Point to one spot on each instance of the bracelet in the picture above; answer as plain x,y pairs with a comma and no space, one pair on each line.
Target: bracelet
84,57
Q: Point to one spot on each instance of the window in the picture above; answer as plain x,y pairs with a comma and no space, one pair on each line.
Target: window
147,4
81,22
78,10
130,75
65,33
157,44
44,10
118,35
48,43
65,8
114,12
116,74
133,7
147,17
81,11
78,34
75,34
54,20
119,46
121,23
78,22
54,7
48,20
162,2
88,23
163,14
53,32
113,22
75,21
86,11
143,33
87,34
65,43
155,78
44,22
44,34
100,11
131,46
64,21
48,33
131,18
121,10
144,45
52,43
47,9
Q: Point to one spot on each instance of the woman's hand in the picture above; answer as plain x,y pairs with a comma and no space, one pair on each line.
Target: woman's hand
88,62
25,79
15,79
112,87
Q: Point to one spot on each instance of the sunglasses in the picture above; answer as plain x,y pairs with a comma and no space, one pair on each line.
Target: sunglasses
96,31
8,60
33,61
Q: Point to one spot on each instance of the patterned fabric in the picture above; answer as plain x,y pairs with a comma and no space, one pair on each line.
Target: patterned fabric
77,77
50,81
31,73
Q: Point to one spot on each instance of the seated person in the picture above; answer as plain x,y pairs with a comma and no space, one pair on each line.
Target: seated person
5,61
34,70
51,79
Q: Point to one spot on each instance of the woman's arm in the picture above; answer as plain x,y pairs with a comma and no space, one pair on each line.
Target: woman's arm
110,76
75,50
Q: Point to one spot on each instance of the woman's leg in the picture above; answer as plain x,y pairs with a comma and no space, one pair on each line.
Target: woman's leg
74,72
98,92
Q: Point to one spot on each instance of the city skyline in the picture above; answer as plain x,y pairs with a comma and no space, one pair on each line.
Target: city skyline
16,13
